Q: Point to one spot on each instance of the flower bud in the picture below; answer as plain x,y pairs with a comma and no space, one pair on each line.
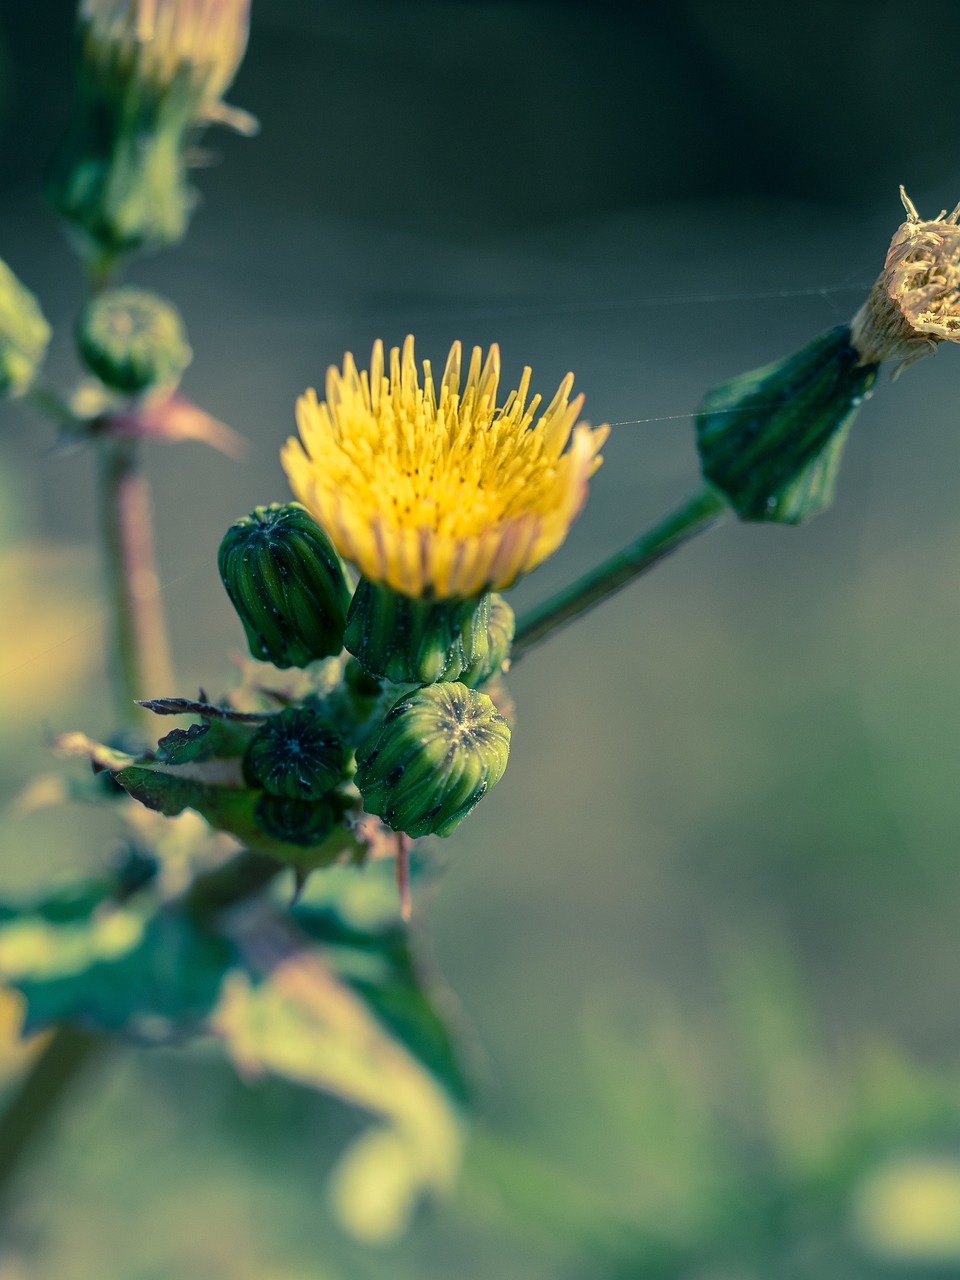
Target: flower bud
499,623
300,822
771,440
132,340
297,754
413,641
286,583
24,335
149,75
437,752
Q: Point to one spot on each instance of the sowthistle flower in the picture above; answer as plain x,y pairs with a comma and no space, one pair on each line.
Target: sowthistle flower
771,440
154,43
438,495
438,492
150,74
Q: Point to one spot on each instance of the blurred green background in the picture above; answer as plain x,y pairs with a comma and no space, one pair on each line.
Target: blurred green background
705,931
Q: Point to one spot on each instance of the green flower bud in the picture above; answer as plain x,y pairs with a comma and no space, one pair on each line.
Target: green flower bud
297,754
437,752
771,440
301,822
24,335
132,340
500,624
414,641
286,582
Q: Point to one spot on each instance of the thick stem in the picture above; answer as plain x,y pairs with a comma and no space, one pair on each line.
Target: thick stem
50,1074
69,1049
702,512
242,876
141,653
141,667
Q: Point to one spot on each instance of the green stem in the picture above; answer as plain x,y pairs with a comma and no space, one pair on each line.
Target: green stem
141,667
242,876
69,1049
702,512
49,1076
141,653
51,403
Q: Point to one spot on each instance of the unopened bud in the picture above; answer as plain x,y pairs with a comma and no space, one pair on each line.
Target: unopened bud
296,753
24,335
133,340
301,822
413,641
286,583
436,754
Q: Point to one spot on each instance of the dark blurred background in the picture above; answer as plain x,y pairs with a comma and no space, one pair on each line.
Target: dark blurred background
706,928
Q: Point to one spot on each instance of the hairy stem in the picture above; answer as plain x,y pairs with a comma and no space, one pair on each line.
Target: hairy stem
242,876
697,515
140,667
50,1074
70,1048
141,663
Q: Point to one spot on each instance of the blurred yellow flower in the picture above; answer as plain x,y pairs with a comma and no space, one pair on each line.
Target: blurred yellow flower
910,1210
440,494
159,41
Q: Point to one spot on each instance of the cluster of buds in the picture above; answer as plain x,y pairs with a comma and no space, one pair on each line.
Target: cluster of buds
421,759
151,74
771,440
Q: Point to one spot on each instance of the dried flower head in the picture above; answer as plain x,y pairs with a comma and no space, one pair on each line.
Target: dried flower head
438,492
915,303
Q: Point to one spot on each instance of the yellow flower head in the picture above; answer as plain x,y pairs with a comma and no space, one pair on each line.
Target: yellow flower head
915,303
158,41
437,492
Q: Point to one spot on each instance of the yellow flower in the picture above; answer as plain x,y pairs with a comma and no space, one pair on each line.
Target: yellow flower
915,303
440,493
158,41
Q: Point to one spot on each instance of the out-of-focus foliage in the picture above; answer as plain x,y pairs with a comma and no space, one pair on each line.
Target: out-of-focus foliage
770,723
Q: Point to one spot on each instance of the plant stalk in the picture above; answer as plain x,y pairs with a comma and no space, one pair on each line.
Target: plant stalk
705,510
141,667
141,651
50,1075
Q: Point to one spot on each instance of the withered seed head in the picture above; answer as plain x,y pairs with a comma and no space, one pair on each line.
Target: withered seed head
915,303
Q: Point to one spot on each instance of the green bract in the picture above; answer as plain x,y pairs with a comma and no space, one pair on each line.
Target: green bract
436,753
413,641
297,754
770,441
133,340
499,625
24,334
286,582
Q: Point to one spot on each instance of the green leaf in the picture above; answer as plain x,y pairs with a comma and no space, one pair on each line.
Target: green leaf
355,917
117,969
201,768
294,1017
217,792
